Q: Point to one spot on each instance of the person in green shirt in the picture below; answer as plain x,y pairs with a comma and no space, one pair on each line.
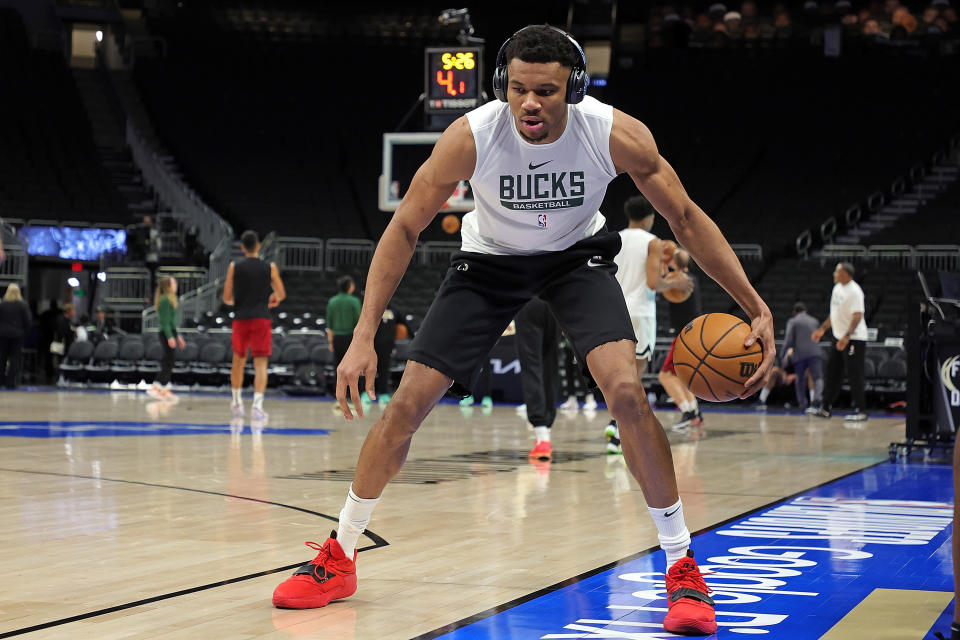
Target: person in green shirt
165,302
343,313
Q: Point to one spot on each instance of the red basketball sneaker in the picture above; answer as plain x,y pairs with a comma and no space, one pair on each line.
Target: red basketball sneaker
542,451
690,608
329,576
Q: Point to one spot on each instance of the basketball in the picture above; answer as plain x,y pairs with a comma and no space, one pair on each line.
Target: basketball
675,295
450,223
710,358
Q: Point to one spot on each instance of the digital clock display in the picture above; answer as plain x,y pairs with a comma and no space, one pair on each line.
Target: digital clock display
453,79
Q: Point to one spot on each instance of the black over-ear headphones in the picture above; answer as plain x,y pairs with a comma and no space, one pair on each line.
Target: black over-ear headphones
576,83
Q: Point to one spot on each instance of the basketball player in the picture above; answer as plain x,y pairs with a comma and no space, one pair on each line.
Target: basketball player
640,276
253,287
538,348
680,314
539,160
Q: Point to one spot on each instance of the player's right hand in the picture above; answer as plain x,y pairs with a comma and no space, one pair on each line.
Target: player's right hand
360,360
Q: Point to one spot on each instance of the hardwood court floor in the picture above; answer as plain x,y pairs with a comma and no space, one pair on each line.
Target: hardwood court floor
145,520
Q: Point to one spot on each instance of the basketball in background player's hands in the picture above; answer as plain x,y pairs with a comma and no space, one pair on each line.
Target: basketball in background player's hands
711,360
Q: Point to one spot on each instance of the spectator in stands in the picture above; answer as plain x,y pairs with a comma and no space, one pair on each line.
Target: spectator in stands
103,326
799,348
734,24
14,325
748,12
151,246
253,287
343,313
165,302
850,346
871,29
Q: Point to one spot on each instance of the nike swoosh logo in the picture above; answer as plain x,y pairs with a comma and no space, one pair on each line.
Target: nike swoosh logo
592,263
670,513
537,166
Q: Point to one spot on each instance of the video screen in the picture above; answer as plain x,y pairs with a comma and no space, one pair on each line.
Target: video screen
72,243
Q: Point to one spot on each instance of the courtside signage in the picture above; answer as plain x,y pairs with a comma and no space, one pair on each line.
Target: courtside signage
790,571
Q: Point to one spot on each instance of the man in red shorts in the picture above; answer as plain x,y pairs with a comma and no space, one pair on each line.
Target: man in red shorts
253,287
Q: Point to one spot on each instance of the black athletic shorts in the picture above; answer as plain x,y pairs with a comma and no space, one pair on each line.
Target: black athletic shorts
481,294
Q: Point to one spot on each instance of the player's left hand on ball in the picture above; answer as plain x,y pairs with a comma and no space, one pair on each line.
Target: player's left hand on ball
761,330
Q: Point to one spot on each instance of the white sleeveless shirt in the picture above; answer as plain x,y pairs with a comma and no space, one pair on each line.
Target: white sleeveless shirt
632,272
535,198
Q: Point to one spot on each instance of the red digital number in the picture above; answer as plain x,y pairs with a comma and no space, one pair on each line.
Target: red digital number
447,81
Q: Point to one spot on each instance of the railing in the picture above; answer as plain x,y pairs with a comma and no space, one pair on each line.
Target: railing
13,269
343,252
191,305
269,247
127,288
943,257
436,252
751,252
177,194
300,254
923,256
188,278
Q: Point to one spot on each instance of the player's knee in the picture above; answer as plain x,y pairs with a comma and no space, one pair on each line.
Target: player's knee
626,399
402,417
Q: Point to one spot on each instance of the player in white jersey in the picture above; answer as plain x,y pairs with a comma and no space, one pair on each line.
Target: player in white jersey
640,274
539,161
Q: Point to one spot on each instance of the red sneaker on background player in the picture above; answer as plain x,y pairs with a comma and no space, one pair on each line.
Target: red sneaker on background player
329,576
690,607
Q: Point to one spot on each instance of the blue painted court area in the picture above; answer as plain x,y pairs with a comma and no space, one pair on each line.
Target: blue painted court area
790,571
98,428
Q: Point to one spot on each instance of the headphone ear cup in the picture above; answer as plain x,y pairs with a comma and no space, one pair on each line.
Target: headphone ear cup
577,86
500,82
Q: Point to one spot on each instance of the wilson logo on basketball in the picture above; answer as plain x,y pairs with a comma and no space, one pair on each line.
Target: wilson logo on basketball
747,369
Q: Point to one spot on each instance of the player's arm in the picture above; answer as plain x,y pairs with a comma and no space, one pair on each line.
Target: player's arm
634,151
821,330
452,160
654,257
279,293
228,286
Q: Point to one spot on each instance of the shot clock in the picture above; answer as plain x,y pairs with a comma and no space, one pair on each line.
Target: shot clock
453,79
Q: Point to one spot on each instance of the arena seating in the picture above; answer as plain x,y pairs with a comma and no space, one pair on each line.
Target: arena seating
49,168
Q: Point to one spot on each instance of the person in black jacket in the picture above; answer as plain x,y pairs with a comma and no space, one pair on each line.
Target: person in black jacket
14,325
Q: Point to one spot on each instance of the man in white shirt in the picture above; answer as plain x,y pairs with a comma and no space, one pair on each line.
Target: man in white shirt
850,335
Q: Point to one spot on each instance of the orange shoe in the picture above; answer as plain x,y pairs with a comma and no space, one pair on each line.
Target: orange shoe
542,451
329,576
690,608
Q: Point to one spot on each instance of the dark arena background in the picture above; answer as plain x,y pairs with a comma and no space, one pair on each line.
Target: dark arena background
140,138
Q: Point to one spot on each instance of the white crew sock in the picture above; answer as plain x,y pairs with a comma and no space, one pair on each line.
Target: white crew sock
542,434
764,394
354,519
673,534
688,406
812,394
258,400
237,396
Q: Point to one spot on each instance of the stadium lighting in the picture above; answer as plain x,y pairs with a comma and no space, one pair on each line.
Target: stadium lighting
73,282
102,276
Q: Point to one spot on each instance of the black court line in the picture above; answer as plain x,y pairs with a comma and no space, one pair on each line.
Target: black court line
453,626
377,542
